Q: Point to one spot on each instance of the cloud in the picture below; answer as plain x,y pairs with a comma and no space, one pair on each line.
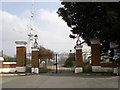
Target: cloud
52,31
1,32
13,28
51,17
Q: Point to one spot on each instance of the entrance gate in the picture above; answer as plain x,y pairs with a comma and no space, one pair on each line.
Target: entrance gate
57,63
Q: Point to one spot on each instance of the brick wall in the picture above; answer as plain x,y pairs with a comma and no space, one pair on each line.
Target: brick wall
21,56
79,61
113,64
7,65
95,51
35,59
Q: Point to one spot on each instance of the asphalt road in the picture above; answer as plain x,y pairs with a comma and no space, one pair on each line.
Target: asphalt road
60,80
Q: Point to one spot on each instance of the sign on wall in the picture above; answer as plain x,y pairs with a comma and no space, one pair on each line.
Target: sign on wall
114,44
117,55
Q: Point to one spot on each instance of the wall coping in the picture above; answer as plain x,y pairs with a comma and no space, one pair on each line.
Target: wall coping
20,43
106,62
95,41
35,49
77,47
9,62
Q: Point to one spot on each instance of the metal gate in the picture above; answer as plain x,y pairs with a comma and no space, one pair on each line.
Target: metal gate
57,63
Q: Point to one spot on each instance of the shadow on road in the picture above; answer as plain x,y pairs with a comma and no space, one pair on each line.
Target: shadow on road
72,74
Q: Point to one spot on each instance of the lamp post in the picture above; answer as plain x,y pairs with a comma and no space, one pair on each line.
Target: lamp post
35,43
35,56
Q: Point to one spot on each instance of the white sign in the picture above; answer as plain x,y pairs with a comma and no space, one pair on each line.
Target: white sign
113,44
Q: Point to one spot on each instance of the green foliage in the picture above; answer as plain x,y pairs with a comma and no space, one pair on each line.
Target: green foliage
70,60
93,20
28,61
28,69
8,59
44,70
87,68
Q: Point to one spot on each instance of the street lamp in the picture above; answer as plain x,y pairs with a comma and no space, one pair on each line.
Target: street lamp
78,42
35,43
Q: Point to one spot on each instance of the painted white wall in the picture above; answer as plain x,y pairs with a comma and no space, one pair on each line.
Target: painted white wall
21,69
7,70
35,70
101,69
78,69
9,62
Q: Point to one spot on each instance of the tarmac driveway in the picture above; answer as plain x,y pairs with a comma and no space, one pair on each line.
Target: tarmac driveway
60,80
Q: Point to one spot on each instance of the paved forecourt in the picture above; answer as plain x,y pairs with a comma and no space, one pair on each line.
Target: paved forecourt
60,81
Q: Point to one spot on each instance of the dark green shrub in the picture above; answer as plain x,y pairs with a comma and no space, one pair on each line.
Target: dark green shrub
70,61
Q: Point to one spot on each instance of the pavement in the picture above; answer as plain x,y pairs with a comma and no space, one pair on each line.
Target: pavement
60,80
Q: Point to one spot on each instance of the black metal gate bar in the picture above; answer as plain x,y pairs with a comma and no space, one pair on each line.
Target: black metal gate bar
56,64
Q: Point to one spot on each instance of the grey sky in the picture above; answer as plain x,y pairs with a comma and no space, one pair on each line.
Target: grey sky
52,31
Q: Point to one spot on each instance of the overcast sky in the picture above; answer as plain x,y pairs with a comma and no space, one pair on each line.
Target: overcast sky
52,31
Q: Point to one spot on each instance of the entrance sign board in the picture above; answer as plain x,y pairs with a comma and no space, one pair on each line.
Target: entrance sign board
114,44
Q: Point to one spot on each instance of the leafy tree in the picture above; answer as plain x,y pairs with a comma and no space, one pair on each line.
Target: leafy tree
93,20
70,60
9,58
45,53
